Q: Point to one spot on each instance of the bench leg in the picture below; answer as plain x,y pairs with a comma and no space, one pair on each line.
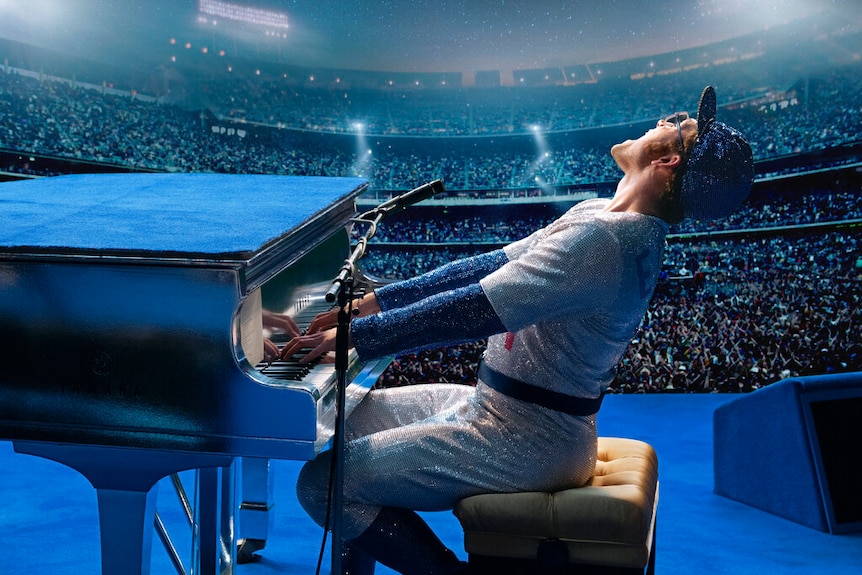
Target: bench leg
650,569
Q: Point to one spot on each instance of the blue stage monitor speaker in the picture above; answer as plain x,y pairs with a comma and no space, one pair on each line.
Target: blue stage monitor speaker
793,449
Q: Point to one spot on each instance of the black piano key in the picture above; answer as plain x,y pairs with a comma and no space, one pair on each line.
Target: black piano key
288,368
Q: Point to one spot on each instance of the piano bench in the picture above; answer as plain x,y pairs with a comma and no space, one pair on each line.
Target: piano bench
605,527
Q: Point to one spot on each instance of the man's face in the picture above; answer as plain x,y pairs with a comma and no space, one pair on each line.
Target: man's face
655,143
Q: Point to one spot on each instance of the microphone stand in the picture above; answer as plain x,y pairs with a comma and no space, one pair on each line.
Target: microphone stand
343,291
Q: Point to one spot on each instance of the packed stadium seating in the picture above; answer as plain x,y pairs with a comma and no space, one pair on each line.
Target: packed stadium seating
729,314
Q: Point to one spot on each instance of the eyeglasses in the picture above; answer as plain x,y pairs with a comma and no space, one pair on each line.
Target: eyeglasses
678,118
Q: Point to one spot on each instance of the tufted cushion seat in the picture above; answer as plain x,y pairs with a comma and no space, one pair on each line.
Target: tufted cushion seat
609,523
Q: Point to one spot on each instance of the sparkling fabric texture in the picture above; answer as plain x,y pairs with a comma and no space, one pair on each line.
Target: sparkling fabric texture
454,316
571,296
450,276
720,168
426,447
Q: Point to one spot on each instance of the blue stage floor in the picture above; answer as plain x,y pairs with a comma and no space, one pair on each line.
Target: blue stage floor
50,519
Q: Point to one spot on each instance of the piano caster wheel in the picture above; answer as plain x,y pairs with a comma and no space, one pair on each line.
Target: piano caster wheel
245,550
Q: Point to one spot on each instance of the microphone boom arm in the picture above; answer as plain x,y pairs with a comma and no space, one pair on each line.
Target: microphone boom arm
374,217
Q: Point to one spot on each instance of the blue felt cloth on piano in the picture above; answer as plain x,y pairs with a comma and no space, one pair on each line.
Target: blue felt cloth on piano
210,214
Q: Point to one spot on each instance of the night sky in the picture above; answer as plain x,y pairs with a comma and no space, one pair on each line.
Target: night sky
407,35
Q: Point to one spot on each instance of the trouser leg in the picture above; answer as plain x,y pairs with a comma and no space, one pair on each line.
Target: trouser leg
401,540
355,561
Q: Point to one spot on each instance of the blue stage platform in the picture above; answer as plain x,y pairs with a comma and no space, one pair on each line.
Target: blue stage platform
51,526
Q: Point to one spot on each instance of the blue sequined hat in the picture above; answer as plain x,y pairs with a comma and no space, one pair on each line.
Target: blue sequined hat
720,167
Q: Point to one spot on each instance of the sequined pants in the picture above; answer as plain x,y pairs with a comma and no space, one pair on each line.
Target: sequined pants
425,447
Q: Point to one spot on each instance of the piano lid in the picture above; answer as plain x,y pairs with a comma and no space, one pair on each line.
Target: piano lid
253,222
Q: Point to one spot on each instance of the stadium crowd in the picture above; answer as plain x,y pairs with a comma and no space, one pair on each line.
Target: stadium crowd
727,316
762,310
68,119
475,227
750,313
334,105
71,121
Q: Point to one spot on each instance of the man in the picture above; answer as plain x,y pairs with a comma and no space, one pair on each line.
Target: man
559,309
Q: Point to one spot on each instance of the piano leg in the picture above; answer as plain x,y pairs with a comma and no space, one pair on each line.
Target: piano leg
125,481
215,548
255,508
126,529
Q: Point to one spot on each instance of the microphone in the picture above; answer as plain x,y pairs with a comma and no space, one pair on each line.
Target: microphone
407,199
375,216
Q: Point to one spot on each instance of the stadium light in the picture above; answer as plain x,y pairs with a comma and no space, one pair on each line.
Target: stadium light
363,151
240,13
541,141
543,155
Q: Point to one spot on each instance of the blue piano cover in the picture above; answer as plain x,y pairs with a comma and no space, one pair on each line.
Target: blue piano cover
210,214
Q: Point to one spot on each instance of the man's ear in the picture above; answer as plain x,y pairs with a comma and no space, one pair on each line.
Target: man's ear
668,161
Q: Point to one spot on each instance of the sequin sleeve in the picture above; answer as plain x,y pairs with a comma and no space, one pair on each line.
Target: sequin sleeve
453,275
453,316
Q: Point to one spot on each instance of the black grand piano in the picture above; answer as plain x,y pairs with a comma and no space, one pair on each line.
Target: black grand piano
131,338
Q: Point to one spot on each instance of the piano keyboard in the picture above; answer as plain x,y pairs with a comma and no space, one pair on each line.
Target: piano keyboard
303,311
318,376
289,368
